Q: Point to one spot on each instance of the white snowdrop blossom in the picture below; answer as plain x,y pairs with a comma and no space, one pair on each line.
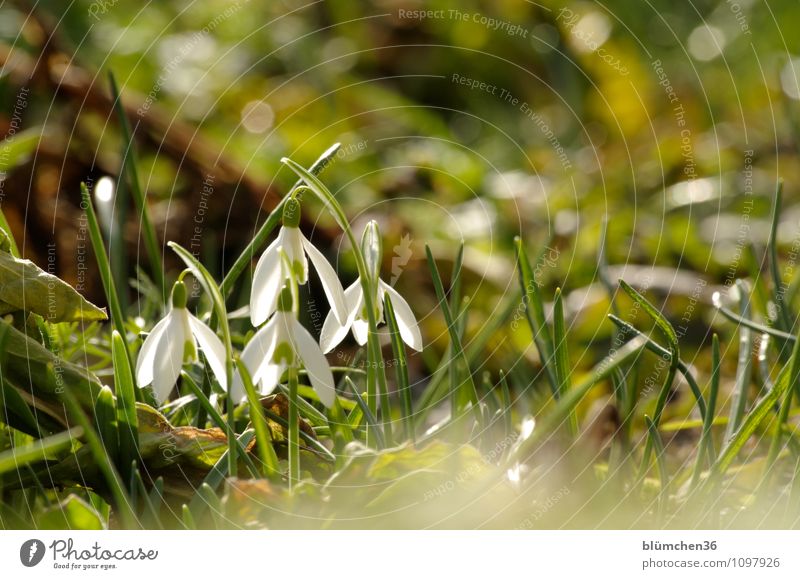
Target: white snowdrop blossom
282,343
174,341
334,331
272,270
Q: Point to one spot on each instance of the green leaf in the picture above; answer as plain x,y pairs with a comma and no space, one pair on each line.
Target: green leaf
263,440
788,377
129,167
534,313
401,368
561,354
27,287
72,513
16,458
455,339
15,150
126,408
38,372
744,364
567,403
105,417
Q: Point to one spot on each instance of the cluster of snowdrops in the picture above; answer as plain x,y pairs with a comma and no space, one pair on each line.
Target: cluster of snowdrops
281,342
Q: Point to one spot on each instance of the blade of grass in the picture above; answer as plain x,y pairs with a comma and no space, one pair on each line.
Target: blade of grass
13,249
508,426
128,424
372,423
716,299
671,337
567,403
782,319
121,499
129,166
18,457
151,512
455,340
401,369
534,313
655,441
788,377
217,419
656,348
105,416
269,459
744,366
706,447
561,355
117,317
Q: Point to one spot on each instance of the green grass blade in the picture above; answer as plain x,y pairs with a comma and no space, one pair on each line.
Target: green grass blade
655,441
706,448
567,403
744,366
117,317
561,355
783,320
18,457
129,165
508,426
113,480
455,339
127,421
372,422
656,348
534,313
401,369
105,416
787,378
266,452
14,250
217,419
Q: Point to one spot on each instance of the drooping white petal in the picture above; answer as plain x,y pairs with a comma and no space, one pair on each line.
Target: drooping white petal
319,372
256,355
330,283
147,354
212,347
269,378
406,322
332,331
292,242
169,357
267,281
360,331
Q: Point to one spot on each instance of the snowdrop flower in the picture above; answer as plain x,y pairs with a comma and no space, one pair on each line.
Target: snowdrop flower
333,331
283,342
172,342
271,270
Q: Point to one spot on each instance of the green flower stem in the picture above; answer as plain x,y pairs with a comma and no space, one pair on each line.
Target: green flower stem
294,429
213,291
376,378
274,218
